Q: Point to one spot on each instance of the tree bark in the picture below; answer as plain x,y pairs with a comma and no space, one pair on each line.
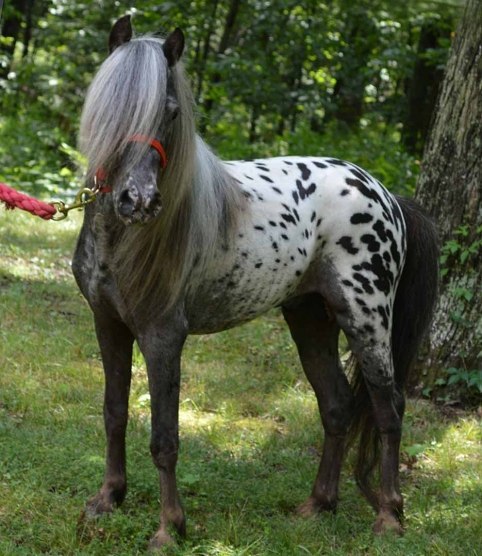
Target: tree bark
450,188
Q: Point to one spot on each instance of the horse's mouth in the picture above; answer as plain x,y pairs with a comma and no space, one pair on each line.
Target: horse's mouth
141,216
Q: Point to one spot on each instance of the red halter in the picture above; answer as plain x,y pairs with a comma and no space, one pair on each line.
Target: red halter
154,143
100,175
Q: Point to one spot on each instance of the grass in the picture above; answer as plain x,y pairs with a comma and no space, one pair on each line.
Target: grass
250,436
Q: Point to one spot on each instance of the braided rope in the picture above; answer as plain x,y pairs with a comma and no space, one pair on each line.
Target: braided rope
14,199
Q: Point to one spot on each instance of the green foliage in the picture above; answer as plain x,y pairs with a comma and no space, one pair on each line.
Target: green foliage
464,248
274,78
249,426
470,379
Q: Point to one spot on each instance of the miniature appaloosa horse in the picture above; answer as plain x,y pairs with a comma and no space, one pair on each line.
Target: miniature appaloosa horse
187,244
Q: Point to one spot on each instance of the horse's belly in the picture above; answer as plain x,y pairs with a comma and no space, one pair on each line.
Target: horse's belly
249,286
221,306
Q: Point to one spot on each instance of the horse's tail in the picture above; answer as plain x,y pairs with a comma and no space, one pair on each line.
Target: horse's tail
412,311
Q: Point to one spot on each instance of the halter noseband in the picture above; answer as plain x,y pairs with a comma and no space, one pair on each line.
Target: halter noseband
100,175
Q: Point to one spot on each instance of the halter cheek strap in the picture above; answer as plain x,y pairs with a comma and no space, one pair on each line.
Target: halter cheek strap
101,176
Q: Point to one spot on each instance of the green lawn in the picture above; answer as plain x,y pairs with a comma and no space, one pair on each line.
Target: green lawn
250,436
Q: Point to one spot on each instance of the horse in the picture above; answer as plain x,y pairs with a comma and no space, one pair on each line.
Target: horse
179,242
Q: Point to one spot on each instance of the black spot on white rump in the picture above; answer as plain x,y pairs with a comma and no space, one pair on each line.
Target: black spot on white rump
360,174
370,194
361,218
337,162
384,314
305,171
372,244
347,243
379,228
266,178
305,192
384,277
365,283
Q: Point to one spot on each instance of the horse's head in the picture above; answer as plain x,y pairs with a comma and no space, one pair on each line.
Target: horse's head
128,119
136,194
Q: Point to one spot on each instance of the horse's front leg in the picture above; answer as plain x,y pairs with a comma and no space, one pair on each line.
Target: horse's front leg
162,351
115,341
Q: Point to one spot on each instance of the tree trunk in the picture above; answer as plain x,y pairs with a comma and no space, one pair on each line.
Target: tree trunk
27,33
423,87
10,29
223,45
206,50
450,188
351,79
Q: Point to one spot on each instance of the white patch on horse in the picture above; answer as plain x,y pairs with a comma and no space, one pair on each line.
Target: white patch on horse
297,214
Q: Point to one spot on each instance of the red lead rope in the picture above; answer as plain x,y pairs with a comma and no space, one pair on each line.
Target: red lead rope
15,199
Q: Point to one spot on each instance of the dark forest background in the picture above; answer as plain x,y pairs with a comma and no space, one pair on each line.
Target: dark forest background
356,80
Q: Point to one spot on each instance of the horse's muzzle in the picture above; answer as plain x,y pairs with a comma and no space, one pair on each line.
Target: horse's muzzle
136,208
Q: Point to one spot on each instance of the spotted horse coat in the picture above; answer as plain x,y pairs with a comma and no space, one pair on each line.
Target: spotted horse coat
312,225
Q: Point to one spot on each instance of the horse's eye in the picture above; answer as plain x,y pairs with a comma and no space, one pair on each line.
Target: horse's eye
175,113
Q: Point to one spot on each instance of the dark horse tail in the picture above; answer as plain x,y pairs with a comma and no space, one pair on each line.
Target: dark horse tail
412,312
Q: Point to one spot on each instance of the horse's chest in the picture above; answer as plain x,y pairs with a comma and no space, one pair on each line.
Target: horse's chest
93,265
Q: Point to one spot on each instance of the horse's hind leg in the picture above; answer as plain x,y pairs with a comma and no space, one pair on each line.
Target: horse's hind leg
115,341
372,350
316,337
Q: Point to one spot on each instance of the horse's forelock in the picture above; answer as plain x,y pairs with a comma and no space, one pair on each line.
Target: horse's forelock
126,97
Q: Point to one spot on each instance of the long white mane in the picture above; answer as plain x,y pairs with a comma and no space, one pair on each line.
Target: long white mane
200,199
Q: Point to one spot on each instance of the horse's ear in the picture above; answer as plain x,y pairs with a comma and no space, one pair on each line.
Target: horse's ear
173,47
120,33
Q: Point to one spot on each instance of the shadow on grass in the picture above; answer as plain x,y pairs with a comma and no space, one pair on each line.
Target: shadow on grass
232,499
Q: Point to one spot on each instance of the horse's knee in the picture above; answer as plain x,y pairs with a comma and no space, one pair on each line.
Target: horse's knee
164,447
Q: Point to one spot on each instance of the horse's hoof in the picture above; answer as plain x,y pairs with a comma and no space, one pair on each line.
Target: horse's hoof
159,540
312,507
97,506
387,523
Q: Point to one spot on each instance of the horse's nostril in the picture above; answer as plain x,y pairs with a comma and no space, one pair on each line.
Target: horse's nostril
154,203
126,204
